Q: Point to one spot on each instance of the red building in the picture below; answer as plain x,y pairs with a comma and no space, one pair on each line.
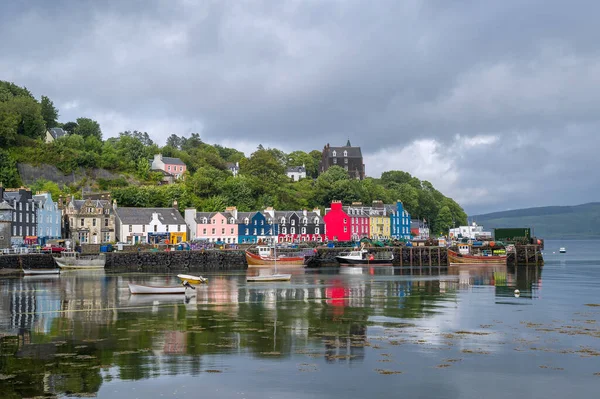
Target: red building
360,226
337,223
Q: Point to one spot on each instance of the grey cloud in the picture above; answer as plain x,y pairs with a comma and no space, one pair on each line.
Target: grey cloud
298,74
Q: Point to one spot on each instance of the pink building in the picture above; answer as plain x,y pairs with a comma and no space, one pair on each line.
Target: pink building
172,166
213,226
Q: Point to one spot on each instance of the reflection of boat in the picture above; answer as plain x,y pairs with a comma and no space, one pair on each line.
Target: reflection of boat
73,260
562,250
155,289
363,257
267,257
35,272
464,256
150,299
192,279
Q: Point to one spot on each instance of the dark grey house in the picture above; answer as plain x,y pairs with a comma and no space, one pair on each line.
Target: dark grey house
24,216
347,157
5,224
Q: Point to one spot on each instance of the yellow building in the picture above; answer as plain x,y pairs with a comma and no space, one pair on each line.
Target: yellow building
380,226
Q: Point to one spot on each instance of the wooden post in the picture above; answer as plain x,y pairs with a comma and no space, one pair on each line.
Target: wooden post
421,256
411,256
526,256
439,257
536,254
429,256
401,255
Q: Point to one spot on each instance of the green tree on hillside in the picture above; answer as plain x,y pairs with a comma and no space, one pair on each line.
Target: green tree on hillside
69,127
88,127
49,112
9,176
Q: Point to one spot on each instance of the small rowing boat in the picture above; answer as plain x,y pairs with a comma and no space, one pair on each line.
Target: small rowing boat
36,272
270,277
155,289
192,279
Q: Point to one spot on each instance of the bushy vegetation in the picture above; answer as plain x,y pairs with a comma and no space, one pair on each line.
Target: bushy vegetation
208,184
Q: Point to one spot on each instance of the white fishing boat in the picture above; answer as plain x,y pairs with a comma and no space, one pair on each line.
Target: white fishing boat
156,289
562,250
74,260
37,272
192,279
363,257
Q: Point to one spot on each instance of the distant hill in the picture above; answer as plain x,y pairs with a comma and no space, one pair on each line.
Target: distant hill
549,222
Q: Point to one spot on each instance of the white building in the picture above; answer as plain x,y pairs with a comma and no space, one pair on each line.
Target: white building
473,232
296,173
149,225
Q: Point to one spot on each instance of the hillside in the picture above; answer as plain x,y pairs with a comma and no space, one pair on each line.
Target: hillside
549,222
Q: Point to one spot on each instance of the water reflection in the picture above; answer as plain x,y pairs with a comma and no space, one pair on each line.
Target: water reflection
70,334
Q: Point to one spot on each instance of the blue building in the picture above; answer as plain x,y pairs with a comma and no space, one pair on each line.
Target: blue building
48,218
400,222
254,226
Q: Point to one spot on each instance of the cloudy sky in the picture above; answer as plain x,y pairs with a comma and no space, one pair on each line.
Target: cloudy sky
495,102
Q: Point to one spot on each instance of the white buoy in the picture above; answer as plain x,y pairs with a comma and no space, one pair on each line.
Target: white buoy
517,293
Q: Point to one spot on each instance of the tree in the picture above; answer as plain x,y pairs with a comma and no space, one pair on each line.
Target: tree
299,158
9,123
444,221
49,112
174,141
9,176
70,127
88,127
28,111
192,143
395,176
263,165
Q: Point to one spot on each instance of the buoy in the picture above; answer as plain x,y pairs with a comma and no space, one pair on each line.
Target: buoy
517,293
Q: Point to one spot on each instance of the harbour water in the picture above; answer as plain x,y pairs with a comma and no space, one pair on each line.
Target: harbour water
349,332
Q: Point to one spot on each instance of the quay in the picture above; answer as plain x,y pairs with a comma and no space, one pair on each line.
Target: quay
234,260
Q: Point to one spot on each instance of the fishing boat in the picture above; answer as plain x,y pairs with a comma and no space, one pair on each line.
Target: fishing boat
266,257
562,250
275,276
363,257
192,279
483,257
74,260
37,272
155,289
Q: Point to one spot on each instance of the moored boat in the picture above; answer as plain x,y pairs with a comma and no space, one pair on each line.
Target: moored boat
363,257
562,250
267,259
74,260
155,289
36,272
192,279
456,258
270,277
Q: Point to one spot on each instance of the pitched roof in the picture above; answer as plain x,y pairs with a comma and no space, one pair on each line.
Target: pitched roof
77,204
296,169
57,132
173,161
4,206
232,165
353,152
131,215
207,215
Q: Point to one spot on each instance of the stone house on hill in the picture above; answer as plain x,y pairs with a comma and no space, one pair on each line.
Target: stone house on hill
348,157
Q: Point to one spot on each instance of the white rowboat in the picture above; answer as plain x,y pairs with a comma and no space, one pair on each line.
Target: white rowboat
35,272
155,289
192,279
270,277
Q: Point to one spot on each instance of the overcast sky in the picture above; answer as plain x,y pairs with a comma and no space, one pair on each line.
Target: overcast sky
494,102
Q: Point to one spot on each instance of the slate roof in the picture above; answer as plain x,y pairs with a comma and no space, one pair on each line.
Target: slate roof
173,161
207,215
5,206
143,216
353,152
296,169
232,166
57,132
77,204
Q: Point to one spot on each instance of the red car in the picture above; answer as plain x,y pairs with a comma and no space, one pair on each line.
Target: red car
53,249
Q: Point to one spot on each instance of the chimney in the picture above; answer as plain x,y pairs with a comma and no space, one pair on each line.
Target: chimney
232,210
175,204
115,204
317,211
270,211
336,205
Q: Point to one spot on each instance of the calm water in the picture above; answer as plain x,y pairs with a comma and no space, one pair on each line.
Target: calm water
349,333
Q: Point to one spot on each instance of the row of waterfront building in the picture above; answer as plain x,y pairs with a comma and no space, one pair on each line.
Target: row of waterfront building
35,219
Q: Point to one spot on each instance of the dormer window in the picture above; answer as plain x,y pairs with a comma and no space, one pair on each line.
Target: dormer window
232,220
292,222
204,220
283,221
316,220
246,221
305,220
345,153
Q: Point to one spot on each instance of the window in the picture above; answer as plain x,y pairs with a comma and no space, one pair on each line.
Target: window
262,222
181,168
14,230
143,228
283,230
345,229
27,219
81,221
316,220
292,222
335,160
303,230
283,221
231,231
214,221
213,231
254,232
247,231
316,230
305,220
262,232
223,231
204,231
334,154
245,220
105,222
346,161
94,222
26,230
222,221
167,228
27,207
155,228
345,220
107,237
232,221
169,167
130,228
346,167
345,153
292,230
20,230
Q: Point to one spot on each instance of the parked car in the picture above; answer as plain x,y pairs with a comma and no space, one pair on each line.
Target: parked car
53,249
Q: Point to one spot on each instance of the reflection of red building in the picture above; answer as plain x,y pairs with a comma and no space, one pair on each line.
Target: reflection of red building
300,237
337,223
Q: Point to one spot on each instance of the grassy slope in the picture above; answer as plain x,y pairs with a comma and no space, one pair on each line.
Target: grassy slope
552,222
